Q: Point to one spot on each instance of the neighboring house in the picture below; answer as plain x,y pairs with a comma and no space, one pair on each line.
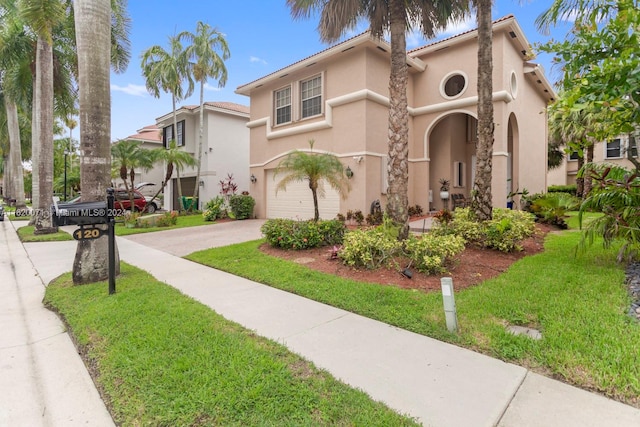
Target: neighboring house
615,151
339,98
150,137
225,148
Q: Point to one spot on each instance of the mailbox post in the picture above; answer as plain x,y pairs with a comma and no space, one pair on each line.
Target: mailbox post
112,242
87,215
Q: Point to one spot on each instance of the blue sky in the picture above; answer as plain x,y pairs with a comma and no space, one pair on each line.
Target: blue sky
262,38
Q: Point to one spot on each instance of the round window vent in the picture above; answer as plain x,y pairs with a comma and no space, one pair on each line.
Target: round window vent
453,85
514,85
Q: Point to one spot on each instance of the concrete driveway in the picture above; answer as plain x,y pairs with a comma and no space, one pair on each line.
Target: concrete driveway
183,241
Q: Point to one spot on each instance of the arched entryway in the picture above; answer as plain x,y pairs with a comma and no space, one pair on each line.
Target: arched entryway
451,147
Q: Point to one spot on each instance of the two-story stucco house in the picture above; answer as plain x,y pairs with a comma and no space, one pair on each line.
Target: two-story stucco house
225,148
150,137
339,97
615,152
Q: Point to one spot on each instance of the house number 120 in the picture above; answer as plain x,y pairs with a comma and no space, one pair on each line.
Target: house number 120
87,233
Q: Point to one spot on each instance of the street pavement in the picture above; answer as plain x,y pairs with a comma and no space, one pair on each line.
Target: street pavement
438,383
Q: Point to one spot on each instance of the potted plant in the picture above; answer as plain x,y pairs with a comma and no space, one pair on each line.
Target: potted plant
444,189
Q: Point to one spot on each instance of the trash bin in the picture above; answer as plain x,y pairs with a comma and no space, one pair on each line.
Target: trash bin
187,202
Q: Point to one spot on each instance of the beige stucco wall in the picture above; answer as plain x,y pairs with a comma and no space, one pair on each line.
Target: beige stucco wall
357,124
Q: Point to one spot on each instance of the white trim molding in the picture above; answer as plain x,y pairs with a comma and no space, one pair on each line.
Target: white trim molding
368,95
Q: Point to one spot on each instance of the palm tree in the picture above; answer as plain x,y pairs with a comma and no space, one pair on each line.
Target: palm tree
174,158
14,44
207,63
42,17
481,202
166,71
396,16
94,38
126,156
315,168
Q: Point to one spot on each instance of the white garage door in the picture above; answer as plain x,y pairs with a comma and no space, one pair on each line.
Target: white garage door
297,202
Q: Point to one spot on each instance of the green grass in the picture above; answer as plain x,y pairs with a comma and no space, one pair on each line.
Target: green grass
165,359
578,303
10,213
26,235
183,221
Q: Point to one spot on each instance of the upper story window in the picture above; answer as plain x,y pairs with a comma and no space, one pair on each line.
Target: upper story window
167,135
311,96
574,155
613,149
283,105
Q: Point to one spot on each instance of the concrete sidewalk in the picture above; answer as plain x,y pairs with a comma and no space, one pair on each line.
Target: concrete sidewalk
43,381
438,383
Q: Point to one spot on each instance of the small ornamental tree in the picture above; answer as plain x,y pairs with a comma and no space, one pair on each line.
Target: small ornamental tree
316,168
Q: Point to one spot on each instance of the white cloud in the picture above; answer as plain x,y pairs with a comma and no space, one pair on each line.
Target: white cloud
257,60
136,90
457,27
207,86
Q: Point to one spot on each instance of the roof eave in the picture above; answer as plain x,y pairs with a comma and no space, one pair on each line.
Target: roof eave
413,63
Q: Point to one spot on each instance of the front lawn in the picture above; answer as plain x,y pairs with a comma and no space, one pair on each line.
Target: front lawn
579,304
162,358
26,235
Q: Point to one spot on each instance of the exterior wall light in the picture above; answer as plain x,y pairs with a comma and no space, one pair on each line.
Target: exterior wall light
253,178
348,172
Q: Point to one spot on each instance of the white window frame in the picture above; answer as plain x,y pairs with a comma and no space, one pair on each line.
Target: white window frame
632,144
459,172
314,95
277,107
620,149
167,134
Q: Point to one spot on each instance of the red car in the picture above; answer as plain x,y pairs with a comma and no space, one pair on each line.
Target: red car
123,201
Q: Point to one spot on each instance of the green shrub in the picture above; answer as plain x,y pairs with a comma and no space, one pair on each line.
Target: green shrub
552,208
292,234
242,206
332,232
214,209
571,189
370,249
462,223
167,219
374,218
507,230
415,210
429,253
504,232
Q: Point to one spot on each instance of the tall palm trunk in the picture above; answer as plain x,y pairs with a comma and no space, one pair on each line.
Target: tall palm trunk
482,204
588,181
175,137
580,180
398,167
44,113
196,190
93,34
35,152
15,154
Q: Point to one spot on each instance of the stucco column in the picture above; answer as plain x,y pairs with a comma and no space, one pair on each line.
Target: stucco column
500,156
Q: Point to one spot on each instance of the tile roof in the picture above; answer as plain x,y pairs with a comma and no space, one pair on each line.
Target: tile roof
504,18
231,106
148,133
304,59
